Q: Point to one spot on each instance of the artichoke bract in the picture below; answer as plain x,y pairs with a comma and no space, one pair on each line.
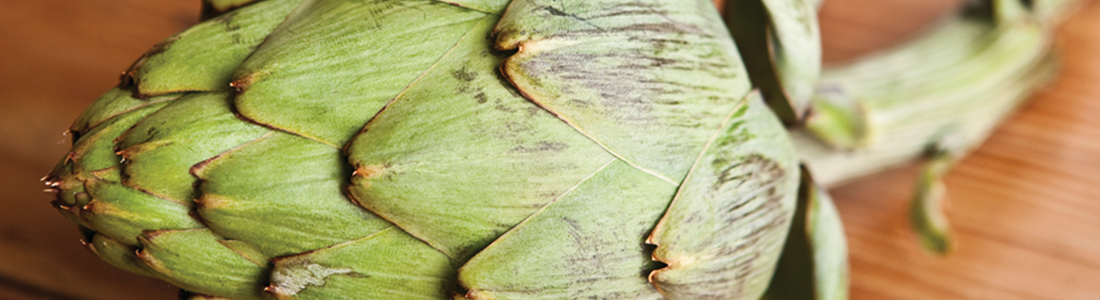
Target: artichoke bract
466,149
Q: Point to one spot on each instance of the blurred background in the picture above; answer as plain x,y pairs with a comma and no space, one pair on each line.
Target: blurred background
1026,205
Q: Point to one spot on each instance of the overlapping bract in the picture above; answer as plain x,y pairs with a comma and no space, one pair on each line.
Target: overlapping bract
400,150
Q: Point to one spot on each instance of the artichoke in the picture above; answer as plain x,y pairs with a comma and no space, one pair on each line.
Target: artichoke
524,149
465,149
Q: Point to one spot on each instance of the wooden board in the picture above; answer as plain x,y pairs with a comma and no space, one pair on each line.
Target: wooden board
1025,204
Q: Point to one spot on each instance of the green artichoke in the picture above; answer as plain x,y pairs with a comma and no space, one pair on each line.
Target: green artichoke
465,149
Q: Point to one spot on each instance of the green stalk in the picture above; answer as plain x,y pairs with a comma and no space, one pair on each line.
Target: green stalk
948,89
937,98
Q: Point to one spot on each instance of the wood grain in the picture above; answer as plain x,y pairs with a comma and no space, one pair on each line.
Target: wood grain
1025,204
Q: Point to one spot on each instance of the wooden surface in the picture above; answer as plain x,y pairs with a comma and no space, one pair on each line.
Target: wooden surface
1026,204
